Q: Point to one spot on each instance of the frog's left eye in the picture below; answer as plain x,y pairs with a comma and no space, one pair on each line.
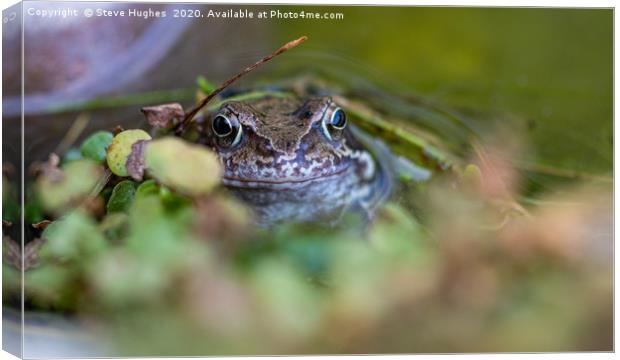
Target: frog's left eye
228,130
339,119
334,125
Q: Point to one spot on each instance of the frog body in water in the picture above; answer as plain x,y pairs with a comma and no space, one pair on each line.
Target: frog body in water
295,159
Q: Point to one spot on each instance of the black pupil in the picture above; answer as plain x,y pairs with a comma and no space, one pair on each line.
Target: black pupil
222,126
339,119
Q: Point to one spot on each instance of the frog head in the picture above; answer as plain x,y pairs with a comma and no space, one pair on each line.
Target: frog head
280,141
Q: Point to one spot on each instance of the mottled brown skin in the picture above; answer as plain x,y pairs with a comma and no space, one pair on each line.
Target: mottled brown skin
283,142
290,163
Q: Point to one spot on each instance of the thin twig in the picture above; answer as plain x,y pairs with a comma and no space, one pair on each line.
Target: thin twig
190,115
73,133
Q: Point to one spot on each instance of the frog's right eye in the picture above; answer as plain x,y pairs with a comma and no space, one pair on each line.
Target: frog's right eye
222,126
228,130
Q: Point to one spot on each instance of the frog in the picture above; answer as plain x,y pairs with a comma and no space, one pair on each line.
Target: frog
297,158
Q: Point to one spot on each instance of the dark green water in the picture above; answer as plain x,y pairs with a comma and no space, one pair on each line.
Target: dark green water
546,71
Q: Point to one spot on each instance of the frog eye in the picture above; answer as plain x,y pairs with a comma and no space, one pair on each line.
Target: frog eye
225,129
222,126
337,121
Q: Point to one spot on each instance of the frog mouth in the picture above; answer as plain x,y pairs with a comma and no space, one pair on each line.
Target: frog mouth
283,184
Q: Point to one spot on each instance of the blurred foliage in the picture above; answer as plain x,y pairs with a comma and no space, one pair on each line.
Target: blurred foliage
196,174
60,188
188,272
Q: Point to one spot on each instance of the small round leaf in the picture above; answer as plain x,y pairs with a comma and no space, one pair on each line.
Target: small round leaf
120,148
122,196
188,168
96,146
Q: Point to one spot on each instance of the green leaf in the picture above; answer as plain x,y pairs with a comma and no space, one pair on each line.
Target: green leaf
160,237
120,148
187,168
73,238
147,188
295,308
122,196
77,180
33,212
120,278
50,285
169,199
204,85
114,226
72,155
96,146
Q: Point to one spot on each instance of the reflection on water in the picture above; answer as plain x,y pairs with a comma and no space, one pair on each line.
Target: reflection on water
549,68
